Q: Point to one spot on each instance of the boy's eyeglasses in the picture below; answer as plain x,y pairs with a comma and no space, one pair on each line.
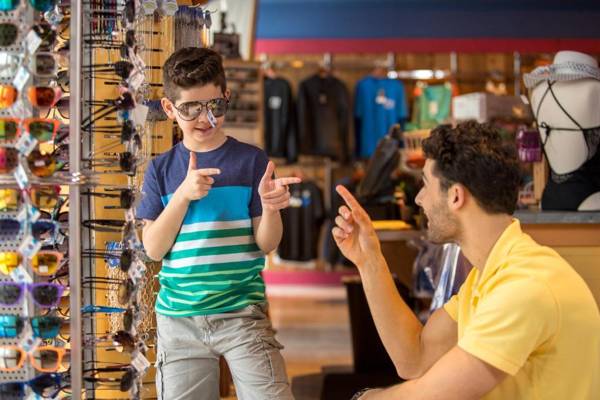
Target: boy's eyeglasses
43,263
46,386
44,295
44,326
43,130
191,110
42,358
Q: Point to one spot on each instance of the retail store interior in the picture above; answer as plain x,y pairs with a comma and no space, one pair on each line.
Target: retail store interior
335,93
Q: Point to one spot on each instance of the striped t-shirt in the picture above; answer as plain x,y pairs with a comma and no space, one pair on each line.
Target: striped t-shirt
214,265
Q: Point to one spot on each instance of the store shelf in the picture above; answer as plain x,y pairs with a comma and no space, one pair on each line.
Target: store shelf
558,217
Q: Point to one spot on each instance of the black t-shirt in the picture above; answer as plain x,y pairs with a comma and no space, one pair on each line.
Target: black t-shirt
280,129
302,222
323,117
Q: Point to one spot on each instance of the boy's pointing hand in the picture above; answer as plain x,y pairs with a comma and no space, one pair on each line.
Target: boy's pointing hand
274,193
197,182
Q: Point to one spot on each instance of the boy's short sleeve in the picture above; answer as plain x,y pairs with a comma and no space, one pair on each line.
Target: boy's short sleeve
260,165
151,204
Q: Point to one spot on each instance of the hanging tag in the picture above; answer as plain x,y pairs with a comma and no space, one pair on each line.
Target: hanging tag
21,177
30,246
26,143
129,215
32,41
22,216
140,113
20,274
136,80
136,271
140,363
211,118
21,78
28,343
33,213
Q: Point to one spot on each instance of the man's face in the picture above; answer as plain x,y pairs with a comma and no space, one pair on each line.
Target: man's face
198,131
442,225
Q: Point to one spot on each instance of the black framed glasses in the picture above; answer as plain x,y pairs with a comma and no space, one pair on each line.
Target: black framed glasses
125,288
124,256
191,110
124,382
127,197
123,102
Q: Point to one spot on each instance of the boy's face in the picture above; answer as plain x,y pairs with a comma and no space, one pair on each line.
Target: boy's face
198,133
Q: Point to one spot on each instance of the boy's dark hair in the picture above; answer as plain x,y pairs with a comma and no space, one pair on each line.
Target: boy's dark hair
474,155
192,66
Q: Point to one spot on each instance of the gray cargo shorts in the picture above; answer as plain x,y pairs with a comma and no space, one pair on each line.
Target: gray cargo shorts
187,361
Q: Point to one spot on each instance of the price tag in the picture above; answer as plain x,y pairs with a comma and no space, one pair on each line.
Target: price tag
28,343
140,363
22,216
21,78
136,271
21,177
136,80
140,113
20,274
26,143
30,246
32,42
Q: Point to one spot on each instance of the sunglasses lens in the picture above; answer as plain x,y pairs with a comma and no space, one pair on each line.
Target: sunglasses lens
128,319
11,326
9,200
126,161
43,230
10,293
45,65
11,358
125,260
63,107
46,294
42,165
46,327
123,69
12,390
218,107
9,159
44,197
8,5
46,360
127,199
42,5
9,228
8,95
8,129
9,261
125,292
8,34
44,263
43,130
46,385
43,96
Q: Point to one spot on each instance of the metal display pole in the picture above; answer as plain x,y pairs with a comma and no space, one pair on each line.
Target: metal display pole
74,196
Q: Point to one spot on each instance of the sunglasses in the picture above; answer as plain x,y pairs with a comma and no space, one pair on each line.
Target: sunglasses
42,230
47,197
191,110
126,197
42,358
42,129
124,257
46,386
123,103
46,64
38,5
126,161
44,295
44,164
121,340
124,382
43,263
44,327
125,288
8,95
8,33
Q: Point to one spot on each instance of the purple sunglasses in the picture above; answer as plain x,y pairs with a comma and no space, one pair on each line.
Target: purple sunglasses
45,295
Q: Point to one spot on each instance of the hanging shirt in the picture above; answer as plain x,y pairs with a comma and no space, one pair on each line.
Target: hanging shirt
432,107
280,129
302,223
323,117
378,104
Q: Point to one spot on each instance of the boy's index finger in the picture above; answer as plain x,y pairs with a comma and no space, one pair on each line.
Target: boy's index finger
209,171
348,198
287,181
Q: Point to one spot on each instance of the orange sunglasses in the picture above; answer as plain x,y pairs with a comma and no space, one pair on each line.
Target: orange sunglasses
42,358
39,96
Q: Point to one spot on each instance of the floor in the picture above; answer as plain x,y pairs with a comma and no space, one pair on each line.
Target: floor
313,325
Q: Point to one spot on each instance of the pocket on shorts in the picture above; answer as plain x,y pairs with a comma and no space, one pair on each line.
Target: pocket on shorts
272,349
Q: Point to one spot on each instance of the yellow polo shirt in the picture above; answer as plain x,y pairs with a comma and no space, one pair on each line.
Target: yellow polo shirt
532,316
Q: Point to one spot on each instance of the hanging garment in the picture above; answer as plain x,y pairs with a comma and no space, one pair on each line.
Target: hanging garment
302,222
378,104
323,114
432,106
280,129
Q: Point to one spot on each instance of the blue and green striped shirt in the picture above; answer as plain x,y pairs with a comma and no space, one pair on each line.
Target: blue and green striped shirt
214,265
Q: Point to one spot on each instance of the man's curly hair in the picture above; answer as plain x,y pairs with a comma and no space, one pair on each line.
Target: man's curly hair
192,66
475,156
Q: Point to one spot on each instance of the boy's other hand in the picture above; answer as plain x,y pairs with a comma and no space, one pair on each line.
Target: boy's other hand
274,193
197,182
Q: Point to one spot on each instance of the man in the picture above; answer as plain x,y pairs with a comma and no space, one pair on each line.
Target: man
524,325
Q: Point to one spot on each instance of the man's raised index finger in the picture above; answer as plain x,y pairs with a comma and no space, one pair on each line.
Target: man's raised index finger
348,198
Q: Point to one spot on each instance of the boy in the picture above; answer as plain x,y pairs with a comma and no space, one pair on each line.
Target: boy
211,211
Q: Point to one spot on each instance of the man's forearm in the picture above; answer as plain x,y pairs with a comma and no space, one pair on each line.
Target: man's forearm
159,237
269,232
397,325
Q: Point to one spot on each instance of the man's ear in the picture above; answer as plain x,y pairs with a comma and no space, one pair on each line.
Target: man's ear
457,196
168,107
